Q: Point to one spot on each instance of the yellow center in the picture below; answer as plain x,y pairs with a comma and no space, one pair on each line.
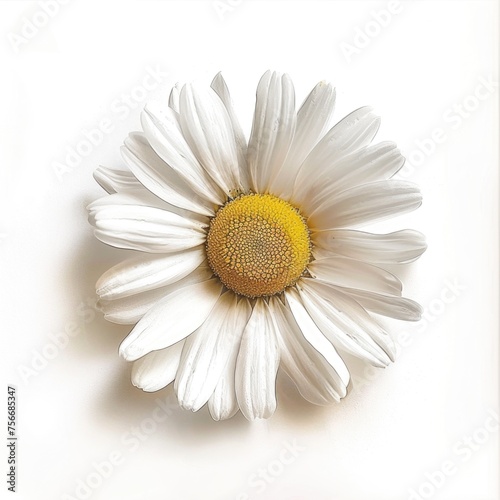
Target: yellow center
258,245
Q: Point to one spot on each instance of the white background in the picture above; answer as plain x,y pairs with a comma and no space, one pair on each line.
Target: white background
76,405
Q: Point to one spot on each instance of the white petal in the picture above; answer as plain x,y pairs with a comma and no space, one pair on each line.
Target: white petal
369,164
272,129
172,319
146,229
257,365
145,198
163,133
351,133
312,118
208,350
131,220
318,341
139,196
346,324
386,305
345,272
115,236
144,273
220,87
393,248
173,98
115,181
157,369
129,310
223,403
366,203
159,178
316,380
207,128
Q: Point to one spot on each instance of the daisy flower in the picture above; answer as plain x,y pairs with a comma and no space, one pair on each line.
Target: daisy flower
248,258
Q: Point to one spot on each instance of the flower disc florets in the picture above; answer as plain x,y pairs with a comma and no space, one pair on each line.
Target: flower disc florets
258,245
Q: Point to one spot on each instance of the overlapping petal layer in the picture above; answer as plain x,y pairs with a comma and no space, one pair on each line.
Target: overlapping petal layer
219,348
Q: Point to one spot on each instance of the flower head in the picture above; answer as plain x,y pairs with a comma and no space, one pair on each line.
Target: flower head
248,258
